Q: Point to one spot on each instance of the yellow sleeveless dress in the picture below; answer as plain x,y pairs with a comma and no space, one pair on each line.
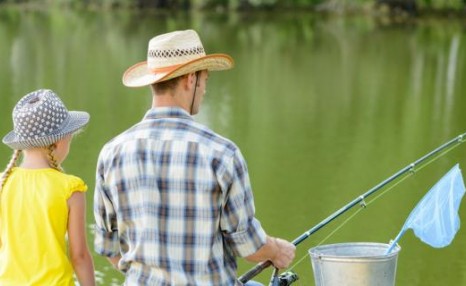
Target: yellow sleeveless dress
33,226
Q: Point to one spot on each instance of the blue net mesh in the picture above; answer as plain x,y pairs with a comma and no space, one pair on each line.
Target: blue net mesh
435,219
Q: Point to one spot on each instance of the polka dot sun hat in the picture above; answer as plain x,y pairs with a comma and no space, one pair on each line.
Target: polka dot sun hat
40,119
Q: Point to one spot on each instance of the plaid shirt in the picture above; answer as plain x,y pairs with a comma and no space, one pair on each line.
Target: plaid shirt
174,200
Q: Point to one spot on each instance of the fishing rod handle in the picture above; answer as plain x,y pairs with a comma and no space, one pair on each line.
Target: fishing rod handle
254,271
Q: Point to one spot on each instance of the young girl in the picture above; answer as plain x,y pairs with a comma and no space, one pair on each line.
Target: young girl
39,204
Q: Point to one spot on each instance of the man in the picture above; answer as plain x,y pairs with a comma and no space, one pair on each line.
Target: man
173,203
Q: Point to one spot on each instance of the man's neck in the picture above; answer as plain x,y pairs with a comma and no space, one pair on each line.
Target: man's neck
170,100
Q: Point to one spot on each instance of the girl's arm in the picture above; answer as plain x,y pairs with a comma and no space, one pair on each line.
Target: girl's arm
79,253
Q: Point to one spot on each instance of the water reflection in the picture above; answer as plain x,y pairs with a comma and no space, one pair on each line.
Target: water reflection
323,109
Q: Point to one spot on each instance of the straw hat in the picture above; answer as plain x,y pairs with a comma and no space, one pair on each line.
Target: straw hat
171,55
40,119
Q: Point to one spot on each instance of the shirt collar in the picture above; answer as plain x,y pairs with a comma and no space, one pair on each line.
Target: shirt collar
167,112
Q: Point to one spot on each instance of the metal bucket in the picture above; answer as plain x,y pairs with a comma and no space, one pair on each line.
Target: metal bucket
354,264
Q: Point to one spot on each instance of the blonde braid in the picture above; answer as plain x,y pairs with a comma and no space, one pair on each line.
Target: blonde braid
6,173
9,167
52,161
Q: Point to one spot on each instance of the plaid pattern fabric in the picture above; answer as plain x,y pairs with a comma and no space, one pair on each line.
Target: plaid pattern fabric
174,199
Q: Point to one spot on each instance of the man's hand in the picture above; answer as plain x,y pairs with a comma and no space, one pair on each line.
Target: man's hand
285,254
279,251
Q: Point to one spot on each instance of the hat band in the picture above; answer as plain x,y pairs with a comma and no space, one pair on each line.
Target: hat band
173,53
165,69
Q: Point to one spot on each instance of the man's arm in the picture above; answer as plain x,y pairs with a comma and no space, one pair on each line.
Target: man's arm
114,260
280,252
106,238
241,229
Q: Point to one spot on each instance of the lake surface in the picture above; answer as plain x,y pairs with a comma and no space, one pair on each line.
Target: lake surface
323,109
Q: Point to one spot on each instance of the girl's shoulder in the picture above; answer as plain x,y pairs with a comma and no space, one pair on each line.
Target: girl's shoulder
75,183
55,180
70,182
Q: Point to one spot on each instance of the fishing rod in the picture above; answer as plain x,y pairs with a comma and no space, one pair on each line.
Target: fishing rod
359,200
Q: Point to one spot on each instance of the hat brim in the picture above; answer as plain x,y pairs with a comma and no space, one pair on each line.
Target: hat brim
76,121
140,75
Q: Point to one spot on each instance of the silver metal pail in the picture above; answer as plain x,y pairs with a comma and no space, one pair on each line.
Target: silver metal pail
354,264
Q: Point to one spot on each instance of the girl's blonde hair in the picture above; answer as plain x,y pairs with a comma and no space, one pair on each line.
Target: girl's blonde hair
9,167
52,161
17,154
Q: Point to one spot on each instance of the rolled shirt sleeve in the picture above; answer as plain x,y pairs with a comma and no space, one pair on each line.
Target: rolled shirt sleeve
241,230
106,240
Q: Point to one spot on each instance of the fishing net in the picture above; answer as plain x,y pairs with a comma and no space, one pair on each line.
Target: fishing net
435,219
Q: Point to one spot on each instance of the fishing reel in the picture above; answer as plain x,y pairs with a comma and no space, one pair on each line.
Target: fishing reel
284,279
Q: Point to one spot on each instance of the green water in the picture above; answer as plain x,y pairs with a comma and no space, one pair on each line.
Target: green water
323,109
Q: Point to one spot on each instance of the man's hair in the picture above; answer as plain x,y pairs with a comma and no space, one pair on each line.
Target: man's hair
161,87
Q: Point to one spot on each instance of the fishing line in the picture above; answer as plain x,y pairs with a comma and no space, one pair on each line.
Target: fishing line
347,220
363,204
384,186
